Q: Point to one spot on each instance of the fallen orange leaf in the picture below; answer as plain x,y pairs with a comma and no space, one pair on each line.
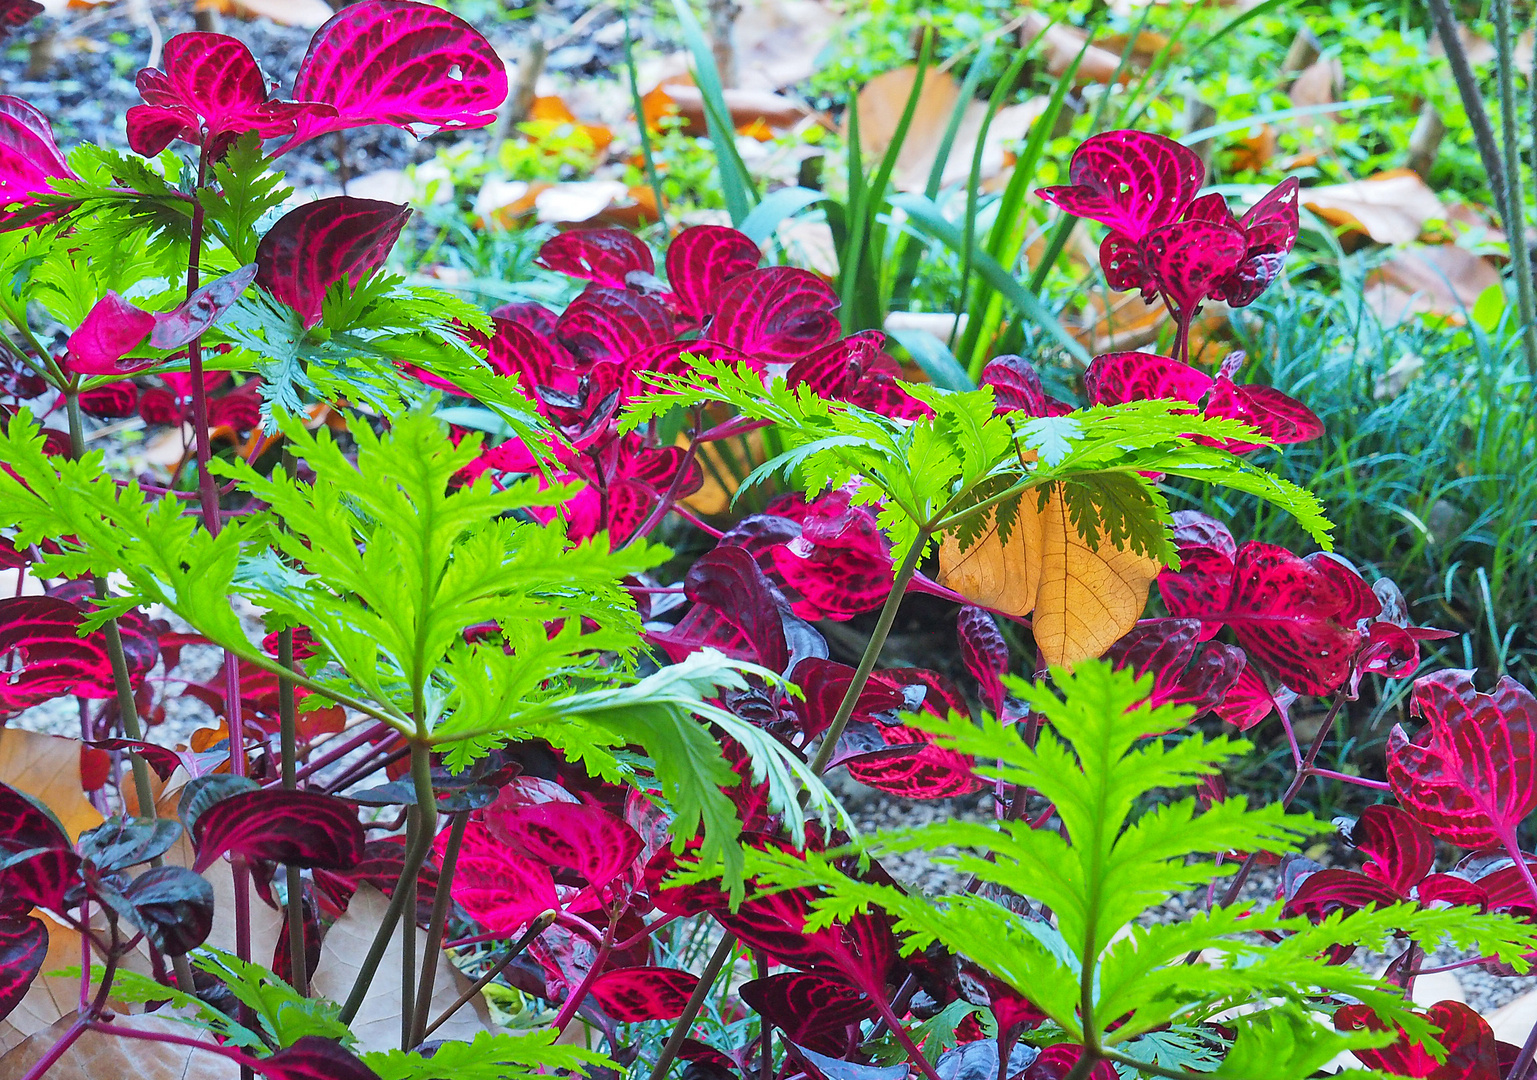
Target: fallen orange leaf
47,767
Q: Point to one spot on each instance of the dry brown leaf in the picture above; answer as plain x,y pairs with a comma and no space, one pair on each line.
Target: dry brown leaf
307,14
47,767
96,1055
1253,152
53,996
1088,599
1390,208
1320,83
678,96
377,1025
778,41
1062,45
1480,50
1440,280
1083,600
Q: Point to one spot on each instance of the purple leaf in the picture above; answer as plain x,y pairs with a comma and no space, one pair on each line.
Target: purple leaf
1469,775
1185,669
210,91
298,828
23,948
122,842
834,1068
730,581
1247,701
1017,388
633,994
985,652
612,324
29,157
201,310
498,888
978,1060
400,63
536,317
37,863
804,1004
114,401
1270,231
776,315
1188,259
702,261
823,684
173,906
312,248
314,1058
1399,851
1131,181
605,257
112,329
570,836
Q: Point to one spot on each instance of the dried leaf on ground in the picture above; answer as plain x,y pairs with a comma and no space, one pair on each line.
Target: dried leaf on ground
47,767
377,1025
678,96
778,41
1062,45
1439,280
53,996
1083,600
1390,208
96,1055
1320,83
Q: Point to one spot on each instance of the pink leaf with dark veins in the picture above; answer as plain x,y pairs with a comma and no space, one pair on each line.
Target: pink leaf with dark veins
320,243
779,314
1131,181
603,256
1187,259
1270,231
400,63
29,157
985,652
1469,775
612,324
702,262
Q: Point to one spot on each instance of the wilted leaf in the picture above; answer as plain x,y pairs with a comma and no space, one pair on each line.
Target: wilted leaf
377,1025
96,1055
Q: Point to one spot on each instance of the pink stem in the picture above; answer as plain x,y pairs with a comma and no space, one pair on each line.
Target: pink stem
57,1050
237,1056
1509,840
1358,781
913,1053
574,1001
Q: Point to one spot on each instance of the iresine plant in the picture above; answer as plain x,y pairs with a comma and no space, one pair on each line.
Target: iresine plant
477,774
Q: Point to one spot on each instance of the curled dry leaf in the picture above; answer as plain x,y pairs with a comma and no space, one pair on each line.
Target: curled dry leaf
1390,208
1083,600
96,1054
1062,45
377,1025
1440,280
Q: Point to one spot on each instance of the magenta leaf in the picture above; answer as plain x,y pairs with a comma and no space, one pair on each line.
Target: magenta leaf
114,400
776,315
1116,378
29,157
46,657
605,257
298,828
1186,670
911,766
1187,259
702,261
312,248
571,836
1472,1053
985,653
1131,181
201,310
804,1004
1469,775
1056,1062
1270,231
1297,617
1247,701
498,888
861,950
23,948
1017,388
633,994
209,92
1324,892
612,324
313,1057
405,64
112,329
1399,851
37,863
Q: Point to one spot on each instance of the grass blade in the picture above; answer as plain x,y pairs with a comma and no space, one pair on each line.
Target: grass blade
736,184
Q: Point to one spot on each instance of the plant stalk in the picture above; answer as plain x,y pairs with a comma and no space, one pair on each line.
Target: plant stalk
436,927
1472,97
535,928
1513,211
573,1002
288,721
696,1001
414,833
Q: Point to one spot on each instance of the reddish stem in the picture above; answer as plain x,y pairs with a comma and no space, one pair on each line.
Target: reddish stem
574,1001
57,1050
245,1061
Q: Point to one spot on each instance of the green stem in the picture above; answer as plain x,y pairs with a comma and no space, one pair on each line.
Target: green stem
1144,1067
640,122
436,926
288,728
416,854
408,937
1513,212
872,652
535,928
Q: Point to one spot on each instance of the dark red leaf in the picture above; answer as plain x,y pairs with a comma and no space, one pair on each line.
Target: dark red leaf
861,950
1017,388
1270,230
1299,617
776,315
113,328
1188,259
1326,891
1469,775
298,828
702,261
315,246
121,842
730,581
1467,1037
535,317
633,994
314,1058
173,906
498,888
37,863
603,256
29,157
985,652
1185,669
400,63
912,767
804,1004
48,658
1131,181
612,324
14,13
23,948
1399,851
1247,701
823,684
1056,1063
112,401
201,310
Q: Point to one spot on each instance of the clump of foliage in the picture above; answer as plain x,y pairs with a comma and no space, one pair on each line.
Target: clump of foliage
481,734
